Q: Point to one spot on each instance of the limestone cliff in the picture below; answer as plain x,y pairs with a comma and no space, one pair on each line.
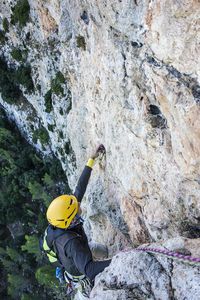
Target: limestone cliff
147,276
131,74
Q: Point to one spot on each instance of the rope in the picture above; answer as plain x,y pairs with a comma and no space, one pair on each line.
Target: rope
182,258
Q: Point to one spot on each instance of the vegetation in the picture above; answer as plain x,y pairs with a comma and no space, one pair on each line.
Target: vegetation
19,55
27,185
21,13
48,101
51,127
70,101
60,134
80,42
3,37
10,80
46,276
5,24
67,148
56,87
42,135
23,76
9,89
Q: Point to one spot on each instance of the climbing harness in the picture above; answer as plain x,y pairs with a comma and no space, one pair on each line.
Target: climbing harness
176,256
80,284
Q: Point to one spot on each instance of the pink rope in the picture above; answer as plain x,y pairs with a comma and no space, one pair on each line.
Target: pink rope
168,253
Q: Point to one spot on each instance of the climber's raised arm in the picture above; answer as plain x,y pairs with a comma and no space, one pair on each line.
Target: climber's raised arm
85,176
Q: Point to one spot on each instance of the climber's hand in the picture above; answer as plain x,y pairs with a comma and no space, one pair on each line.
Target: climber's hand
100,149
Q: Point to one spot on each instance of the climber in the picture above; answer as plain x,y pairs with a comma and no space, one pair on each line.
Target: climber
65,240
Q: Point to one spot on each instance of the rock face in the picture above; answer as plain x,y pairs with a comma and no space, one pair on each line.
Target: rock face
147,276
132,82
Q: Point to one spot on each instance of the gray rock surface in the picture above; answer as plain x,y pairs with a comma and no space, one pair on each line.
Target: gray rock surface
141,275
132,82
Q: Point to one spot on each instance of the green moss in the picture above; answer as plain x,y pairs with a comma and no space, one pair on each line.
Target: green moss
61,111
21,13
56,87
80,42
48,101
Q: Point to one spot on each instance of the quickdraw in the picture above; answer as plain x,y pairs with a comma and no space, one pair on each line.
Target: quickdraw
176,256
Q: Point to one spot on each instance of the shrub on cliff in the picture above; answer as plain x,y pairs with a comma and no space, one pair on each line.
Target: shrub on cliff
48,101
10,80
56,87
80,42
8,88
5,24
23,77
3,37
20,13
42,135
19,55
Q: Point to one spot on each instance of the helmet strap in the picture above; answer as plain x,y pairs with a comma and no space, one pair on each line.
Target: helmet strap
74,223
78,218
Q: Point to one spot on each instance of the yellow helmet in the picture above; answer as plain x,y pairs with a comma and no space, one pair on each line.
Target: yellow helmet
62,210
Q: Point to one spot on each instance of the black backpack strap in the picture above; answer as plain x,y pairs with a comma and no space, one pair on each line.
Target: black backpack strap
53,242
49,251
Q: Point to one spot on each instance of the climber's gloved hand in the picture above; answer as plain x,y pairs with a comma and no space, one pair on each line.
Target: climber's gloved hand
100,149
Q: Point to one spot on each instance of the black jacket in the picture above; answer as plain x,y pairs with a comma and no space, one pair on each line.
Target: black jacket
71,245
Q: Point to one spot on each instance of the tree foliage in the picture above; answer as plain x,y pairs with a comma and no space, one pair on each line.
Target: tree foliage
17,284
46,276
28,183
11,78
13,254
9,89
32,246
